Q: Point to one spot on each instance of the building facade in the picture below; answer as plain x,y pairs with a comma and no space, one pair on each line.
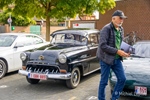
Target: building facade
138,13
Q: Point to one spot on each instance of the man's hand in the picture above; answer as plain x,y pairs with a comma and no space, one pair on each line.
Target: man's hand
122,53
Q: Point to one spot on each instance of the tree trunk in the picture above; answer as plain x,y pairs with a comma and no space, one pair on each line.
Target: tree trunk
80,17
47,28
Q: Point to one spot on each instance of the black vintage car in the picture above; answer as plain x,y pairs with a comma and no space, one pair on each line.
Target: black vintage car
70,55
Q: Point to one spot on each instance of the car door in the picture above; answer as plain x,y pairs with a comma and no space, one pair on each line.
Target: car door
23,43
93,45
6,42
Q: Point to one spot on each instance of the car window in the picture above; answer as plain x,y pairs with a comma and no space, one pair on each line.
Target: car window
29,40
7,40
69,38
20,41
37,40
24,41
93,39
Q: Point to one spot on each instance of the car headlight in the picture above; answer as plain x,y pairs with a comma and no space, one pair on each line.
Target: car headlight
23,56
62,58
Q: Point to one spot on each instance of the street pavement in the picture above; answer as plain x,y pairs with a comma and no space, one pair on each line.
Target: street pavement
15,87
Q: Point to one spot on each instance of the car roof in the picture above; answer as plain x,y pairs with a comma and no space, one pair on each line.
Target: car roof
82,31
18,34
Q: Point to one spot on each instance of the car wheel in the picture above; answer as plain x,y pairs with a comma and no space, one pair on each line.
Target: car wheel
75,78
32,81
3,68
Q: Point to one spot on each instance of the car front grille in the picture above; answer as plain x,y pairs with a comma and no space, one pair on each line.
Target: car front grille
42,69
38,63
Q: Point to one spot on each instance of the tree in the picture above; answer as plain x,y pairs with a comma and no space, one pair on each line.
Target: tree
57,8
17,20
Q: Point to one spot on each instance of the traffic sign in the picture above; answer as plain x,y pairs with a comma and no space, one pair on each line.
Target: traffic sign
9,20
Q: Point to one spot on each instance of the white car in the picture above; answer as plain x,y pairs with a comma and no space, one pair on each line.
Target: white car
11,45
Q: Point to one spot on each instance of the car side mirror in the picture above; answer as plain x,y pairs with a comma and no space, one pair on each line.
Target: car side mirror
18,45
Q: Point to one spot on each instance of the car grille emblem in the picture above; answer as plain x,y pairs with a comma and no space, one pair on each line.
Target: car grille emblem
41,57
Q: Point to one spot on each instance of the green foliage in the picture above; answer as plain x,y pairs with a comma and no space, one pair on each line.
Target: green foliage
105,5
70,8
56,9
22,21
17,20
60,8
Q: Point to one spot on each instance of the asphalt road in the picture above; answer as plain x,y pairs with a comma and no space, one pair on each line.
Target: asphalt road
15,87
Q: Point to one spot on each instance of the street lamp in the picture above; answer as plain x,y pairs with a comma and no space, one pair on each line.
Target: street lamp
9,20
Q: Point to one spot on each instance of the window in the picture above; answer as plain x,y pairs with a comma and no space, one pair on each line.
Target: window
71,38
29,40
25,41
37,40
7,40
93,39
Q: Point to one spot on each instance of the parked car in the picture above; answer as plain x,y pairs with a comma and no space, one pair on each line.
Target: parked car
11,45
70,55
137,71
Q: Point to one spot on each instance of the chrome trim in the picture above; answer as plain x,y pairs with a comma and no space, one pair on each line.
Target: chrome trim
91,72
86,59
49,76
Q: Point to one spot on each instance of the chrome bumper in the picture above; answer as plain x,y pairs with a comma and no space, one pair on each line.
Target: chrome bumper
49,76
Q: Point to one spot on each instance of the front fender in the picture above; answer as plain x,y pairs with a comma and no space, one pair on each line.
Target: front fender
79,65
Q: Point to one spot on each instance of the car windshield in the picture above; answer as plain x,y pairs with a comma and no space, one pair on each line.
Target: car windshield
69,39
142,49
7,40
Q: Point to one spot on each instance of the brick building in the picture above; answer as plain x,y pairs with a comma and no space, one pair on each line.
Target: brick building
138,13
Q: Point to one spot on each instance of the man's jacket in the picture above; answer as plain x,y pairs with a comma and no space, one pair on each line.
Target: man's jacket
107,49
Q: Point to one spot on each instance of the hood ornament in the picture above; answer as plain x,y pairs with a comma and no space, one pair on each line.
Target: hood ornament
41,57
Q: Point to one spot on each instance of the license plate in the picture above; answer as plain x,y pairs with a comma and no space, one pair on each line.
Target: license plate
140,90
37,76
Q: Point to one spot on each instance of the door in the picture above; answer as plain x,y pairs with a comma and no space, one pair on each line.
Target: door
23,43
93,44
35,29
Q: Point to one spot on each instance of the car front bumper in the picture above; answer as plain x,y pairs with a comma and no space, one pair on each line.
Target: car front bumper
49,76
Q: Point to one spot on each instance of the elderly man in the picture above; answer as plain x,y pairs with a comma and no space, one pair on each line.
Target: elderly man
110,55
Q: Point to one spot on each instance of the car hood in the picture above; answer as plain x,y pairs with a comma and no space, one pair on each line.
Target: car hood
137,71
137,65
51,53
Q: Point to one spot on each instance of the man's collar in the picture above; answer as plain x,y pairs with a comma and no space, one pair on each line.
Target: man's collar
114,27
119,28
